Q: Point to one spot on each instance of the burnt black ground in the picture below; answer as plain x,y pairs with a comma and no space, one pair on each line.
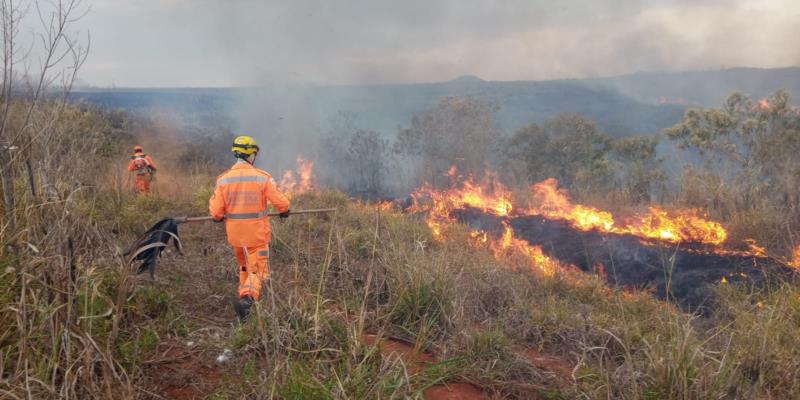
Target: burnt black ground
683,272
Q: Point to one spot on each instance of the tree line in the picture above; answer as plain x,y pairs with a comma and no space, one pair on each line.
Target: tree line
737,161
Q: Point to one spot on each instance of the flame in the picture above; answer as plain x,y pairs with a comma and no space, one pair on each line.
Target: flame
494,200
795,261
554,203
548,200
685,226
508,244
489,196
600,270
755,249
508,237
480,237
440,203
305,172
385,205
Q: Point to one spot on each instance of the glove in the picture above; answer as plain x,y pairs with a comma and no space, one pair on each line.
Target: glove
217,221
284,214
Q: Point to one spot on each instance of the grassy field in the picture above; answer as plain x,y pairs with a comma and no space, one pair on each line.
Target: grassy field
365,303
362,303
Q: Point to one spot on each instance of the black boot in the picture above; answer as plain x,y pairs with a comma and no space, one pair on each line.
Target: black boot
242,307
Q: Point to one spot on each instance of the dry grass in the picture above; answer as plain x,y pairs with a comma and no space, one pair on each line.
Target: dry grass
338,277
75,324
365,271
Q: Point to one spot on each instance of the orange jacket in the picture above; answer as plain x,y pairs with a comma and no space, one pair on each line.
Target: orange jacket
242,196
140,168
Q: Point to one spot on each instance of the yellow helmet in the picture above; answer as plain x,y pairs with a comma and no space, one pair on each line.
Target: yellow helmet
244,145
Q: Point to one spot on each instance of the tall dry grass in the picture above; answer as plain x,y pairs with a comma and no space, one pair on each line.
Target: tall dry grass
75,324
385,273
59,272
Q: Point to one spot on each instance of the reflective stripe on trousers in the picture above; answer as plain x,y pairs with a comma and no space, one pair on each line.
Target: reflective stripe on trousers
254,269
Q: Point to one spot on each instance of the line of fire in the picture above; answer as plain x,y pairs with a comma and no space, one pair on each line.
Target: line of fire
676,255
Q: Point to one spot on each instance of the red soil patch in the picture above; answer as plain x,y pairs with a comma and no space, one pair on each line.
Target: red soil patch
416,362
183,393
183,374
454,391
549,363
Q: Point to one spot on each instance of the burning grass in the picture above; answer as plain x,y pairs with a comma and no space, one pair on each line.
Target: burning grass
471,307
465,306
684,226
476,311
298,181
550,201
487,204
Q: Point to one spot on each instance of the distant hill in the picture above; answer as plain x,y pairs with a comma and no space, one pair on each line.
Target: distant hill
624,105
707,88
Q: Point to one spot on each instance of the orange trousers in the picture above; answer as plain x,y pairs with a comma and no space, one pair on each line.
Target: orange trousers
142,183
253,269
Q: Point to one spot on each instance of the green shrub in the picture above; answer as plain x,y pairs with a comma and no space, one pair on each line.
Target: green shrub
421,309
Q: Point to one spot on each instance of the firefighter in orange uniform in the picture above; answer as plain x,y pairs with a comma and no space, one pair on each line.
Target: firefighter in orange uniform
143,168
241,198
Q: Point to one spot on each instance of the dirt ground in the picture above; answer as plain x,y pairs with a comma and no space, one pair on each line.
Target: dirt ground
203,282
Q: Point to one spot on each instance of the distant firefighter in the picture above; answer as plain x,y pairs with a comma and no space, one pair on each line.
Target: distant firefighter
143,168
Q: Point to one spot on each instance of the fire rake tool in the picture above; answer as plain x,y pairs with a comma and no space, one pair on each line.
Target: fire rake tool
149,246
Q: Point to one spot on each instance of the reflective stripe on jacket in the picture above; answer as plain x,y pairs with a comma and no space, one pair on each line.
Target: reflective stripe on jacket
242,196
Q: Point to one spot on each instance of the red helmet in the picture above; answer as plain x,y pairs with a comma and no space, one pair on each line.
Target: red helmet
138,149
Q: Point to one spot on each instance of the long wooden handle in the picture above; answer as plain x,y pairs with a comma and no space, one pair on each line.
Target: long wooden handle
181,220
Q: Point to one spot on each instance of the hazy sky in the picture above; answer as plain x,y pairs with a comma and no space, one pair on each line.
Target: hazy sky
242,42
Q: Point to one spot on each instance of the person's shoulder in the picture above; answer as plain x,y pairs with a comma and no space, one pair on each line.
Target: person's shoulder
265,174
262,172
223,174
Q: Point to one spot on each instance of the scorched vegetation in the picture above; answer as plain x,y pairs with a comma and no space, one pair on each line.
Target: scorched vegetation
460,289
